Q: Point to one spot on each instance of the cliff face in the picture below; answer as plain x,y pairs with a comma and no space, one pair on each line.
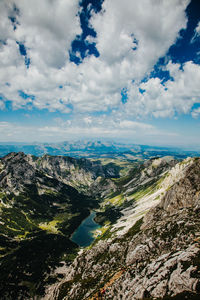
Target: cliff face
18,169
186,192
158,257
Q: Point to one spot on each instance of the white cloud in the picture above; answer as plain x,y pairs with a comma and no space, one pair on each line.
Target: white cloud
127,124
6,28
2,105
165,100
47,28
197,30
60,130
196,112
88,120
149,26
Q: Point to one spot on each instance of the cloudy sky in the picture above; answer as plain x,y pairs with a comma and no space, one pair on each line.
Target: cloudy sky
122,70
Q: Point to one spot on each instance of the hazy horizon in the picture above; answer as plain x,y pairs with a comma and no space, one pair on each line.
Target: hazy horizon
109,141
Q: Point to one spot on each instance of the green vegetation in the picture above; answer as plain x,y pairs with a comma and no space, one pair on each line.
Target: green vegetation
35,227
131,174
143,191
110,214
15,223
135,229
124,199
116,200
49,226
29,262
42,232
86,284
123,164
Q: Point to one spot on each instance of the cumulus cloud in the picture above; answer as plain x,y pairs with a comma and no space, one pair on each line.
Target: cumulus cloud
165,100
47,29
6,27
131,37
135,34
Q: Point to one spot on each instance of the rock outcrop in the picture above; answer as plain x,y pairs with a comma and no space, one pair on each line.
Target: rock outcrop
18,169
158,257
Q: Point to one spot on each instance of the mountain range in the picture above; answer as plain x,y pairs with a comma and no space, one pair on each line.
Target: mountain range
148,245
95,149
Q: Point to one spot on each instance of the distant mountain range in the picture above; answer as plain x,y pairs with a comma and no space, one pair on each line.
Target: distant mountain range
95,149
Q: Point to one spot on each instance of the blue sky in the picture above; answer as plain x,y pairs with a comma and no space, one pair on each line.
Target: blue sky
122,70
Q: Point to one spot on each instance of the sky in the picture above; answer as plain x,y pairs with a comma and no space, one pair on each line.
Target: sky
126,70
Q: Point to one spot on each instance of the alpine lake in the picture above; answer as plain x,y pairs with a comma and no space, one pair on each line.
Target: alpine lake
83,235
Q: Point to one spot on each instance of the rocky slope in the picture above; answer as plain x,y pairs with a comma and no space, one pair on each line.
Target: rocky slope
137,192
42,201
158,257
19,169
149,242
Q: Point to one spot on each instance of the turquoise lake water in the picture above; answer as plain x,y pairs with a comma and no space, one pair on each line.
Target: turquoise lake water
83,234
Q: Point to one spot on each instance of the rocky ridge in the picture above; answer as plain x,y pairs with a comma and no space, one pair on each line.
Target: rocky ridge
158,257
141,190
18,169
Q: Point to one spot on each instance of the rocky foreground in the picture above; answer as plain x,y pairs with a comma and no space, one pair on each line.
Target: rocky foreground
157,258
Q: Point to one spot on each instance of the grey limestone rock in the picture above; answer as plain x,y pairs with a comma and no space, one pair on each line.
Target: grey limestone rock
161,258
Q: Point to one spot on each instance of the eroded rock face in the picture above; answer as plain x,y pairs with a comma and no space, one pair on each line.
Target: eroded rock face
181,190
169,274
185,192
19,169
158,257
149,172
